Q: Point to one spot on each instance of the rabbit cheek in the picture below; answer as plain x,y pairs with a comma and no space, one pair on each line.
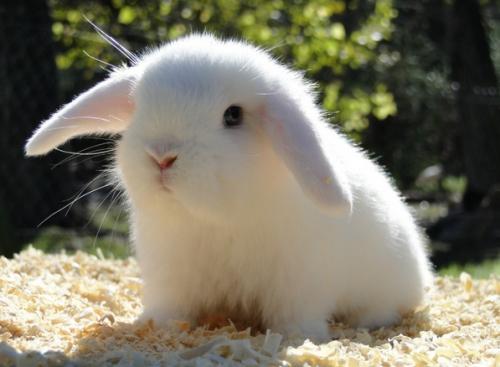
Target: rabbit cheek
138,175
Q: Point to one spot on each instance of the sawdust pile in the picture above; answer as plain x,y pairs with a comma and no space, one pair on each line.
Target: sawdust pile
58,310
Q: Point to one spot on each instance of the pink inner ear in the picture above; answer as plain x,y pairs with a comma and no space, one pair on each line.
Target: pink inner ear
294,140
105,108
108,106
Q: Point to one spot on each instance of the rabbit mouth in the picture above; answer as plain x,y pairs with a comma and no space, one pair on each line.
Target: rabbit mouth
163,183
165,188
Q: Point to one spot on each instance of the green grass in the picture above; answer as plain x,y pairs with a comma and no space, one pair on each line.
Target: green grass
478,271
106,235
53,240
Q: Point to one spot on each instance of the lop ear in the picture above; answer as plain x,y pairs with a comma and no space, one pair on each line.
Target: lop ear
105,108
294,139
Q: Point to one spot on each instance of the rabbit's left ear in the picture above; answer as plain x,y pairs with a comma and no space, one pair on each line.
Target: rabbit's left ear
104,109
295,141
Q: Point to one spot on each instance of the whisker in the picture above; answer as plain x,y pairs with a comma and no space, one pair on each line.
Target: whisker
94,212
103,138
69,205
103,154
113,42
84,187
84,117
113,200
99,60
85,153
84,195
118,217
73,156
116,118
277,45
267,93
54,128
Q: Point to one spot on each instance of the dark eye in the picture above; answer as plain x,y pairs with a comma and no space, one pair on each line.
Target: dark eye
233,116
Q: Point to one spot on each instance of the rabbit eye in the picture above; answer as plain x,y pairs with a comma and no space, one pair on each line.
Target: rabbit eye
233,116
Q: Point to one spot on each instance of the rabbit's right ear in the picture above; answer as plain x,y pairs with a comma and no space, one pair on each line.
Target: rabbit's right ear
104,109
294,139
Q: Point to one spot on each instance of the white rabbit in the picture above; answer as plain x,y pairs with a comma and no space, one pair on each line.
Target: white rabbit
241,196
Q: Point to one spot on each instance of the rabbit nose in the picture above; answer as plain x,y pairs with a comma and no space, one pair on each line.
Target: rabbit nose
161,155
165,162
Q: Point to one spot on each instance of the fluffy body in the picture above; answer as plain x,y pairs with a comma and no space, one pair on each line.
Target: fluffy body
245,221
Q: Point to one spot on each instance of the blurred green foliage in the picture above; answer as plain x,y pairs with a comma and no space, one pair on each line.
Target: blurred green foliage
335,41
56,239
106,234
479,271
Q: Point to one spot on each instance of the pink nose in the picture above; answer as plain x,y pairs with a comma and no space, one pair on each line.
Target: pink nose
166,162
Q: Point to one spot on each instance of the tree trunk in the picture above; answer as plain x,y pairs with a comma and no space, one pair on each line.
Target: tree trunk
30,189
478,101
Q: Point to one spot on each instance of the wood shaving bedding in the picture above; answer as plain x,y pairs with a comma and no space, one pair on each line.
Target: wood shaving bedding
79,310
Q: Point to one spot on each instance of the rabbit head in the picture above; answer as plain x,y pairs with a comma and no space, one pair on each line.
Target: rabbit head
211,126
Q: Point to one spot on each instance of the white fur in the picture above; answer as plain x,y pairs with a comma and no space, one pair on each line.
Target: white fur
282,217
